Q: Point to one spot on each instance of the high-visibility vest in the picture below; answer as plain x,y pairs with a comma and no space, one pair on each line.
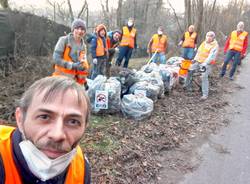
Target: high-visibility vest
79,76
100,48
185,65
204,51
76,170
158,43
189,40
236,42
128,38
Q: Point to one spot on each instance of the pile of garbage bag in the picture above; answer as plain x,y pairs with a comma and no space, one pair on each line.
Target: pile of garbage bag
136,107
113,88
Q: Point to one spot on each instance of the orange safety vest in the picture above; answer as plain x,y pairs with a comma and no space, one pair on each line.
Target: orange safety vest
204,51
79,76
159,43
128,38
76,170
189,40
185,65
236,42
82,75
100,49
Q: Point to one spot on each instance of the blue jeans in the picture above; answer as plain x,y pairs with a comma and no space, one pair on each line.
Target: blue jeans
188,53
124,51
230,54
159,58
204,77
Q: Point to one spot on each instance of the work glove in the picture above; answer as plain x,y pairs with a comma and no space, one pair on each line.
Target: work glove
80,68
76,65
193,61
203,67
95,61
117,50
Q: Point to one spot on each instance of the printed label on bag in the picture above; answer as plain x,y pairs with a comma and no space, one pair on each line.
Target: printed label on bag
101,99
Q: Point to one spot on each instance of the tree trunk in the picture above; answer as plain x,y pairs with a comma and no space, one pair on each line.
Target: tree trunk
70,11
200,17
119,14
212,13
187,4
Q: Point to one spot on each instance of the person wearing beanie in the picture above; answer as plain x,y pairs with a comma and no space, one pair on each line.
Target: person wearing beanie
157,47
235,48
69,56
205,57
99,51
128,43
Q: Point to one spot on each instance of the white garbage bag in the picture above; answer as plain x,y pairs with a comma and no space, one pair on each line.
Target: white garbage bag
113,87
136,107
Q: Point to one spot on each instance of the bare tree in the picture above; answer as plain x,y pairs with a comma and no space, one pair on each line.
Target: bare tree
187,4
176,17
119,14
70,10
106,12
200,16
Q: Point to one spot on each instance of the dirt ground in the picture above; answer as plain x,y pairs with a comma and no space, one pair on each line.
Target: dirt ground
125,151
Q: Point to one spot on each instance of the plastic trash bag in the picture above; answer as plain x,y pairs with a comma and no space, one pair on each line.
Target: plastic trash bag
148,68
136,107
113,87
152,91
127,78
174,60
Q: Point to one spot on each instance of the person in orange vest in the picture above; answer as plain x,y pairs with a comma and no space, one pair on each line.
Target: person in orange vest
206,55
127,44
157,47
113,40
189,43
69,57
51,118
99,51
235,48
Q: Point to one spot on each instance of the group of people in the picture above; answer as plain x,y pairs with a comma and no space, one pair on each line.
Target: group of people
70,51
234,50
53,113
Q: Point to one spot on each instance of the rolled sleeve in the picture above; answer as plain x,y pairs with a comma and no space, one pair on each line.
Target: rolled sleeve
58,53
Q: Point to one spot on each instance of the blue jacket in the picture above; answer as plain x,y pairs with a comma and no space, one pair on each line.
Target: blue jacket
94,45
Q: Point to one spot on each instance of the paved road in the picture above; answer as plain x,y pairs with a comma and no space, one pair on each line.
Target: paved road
226,156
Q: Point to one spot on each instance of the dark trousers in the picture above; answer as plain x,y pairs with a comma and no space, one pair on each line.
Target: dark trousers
231,54
124,51
109,62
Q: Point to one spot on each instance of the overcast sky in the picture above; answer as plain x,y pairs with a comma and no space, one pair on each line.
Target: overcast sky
94,4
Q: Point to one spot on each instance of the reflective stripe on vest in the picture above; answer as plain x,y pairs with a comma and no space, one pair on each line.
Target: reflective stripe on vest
237,42
75,174
59,70
100,49
128,38
189,40
204,51
159,43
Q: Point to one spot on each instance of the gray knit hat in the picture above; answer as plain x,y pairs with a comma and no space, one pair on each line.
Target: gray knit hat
78,23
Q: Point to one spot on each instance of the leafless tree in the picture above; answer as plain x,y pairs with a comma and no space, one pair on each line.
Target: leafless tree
106,12
119,14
